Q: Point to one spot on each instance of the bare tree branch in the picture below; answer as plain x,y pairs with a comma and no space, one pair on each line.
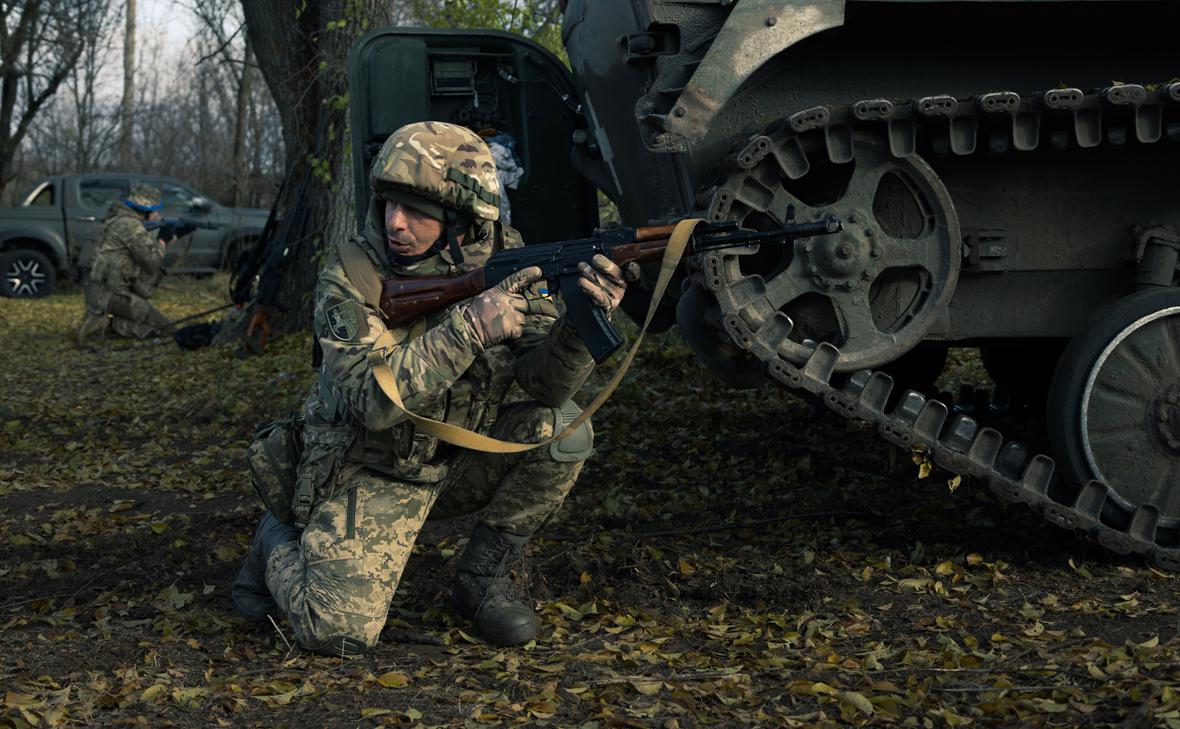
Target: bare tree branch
36,58
221,49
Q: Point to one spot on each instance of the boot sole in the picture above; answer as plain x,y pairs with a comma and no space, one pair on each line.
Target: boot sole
523,634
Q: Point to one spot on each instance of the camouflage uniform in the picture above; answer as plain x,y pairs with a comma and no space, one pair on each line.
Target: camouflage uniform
375,478
127,267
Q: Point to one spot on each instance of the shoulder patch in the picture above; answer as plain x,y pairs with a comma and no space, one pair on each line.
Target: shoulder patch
346,319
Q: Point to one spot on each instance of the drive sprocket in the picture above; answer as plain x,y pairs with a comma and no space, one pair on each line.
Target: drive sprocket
874,290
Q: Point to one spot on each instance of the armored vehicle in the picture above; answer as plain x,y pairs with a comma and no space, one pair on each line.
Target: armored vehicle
1006,174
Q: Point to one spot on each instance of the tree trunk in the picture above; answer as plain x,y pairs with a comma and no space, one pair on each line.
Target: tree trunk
239,160
304,66
203,123
127,108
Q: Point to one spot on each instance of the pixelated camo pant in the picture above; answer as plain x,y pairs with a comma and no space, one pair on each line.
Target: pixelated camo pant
132,315
336,583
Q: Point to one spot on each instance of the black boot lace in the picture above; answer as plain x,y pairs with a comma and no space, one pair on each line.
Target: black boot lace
506,584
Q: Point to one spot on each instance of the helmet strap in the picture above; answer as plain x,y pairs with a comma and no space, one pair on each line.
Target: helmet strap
453,226
452,229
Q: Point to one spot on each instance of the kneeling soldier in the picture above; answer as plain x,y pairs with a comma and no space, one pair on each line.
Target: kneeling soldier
367,479
129,260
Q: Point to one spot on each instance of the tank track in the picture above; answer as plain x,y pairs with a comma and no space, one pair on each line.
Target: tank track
1064,118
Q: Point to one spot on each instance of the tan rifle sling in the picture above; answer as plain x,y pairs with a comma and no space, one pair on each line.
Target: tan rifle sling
474,441
361,272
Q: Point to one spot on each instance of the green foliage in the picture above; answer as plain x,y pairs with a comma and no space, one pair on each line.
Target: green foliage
538,20
321,168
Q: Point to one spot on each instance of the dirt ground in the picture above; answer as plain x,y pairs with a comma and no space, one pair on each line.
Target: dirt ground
729,558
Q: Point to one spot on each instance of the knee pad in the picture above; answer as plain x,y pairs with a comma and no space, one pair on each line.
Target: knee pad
576,446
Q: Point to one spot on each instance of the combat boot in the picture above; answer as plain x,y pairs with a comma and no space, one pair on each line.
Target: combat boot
485,592
92,324
251,596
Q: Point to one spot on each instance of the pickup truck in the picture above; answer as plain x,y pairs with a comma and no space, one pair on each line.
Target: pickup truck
50,234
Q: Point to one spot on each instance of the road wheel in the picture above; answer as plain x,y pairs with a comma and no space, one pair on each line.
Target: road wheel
27,274
1114,404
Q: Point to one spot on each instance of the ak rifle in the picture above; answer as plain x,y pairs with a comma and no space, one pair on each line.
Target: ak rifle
176,227
404,300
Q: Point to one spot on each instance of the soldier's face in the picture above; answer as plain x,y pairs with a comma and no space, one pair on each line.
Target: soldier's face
409,232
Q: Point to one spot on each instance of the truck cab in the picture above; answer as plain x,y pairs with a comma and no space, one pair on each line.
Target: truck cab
52,232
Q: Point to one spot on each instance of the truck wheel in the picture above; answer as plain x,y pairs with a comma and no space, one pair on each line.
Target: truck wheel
27,274
1114,405
233,251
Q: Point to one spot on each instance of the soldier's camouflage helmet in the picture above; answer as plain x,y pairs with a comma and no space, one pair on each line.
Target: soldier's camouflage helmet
434,165
143,199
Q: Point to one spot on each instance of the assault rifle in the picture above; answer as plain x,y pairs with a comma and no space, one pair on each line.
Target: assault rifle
405,300
176,227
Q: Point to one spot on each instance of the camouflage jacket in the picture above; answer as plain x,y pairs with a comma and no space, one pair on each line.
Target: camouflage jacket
441,369
127,256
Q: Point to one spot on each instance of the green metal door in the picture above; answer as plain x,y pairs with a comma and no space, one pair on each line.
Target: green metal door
506,88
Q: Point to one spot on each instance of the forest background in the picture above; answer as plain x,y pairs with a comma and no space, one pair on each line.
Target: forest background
190,101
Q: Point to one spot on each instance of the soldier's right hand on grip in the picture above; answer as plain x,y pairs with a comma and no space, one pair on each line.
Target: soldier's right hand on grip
498,313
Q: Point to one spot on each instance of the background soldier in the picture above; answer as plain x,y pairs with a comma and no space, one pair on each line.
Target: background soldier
367,479
128,264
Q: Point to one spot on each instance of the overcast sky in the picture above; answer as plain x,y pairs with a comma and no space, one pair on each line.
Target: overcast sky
163,31
168,21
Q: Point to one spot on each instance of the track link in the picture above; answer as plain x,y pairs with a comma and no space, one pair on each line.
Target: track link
1003,121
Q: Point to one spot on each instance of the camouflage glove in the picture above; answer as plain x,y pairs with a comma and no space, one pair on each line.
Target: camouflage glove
498,313
603,282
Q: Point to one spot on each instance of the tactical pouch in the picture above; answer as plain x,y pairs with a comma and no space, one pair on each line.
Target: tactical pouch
490,375
319,466
273,457
411,446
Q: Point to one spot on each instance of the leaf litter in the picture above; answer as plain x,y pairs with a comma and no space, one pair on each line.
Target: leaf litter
727,558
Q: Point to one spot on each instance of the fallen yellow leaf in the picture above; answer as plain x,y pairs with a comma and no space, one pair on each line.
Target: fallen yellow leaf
151,693
647,688
371,711
857,701
393,679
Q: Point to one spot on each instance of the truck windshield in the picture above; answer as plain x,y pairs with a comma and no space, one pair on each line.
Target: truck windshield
175,196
